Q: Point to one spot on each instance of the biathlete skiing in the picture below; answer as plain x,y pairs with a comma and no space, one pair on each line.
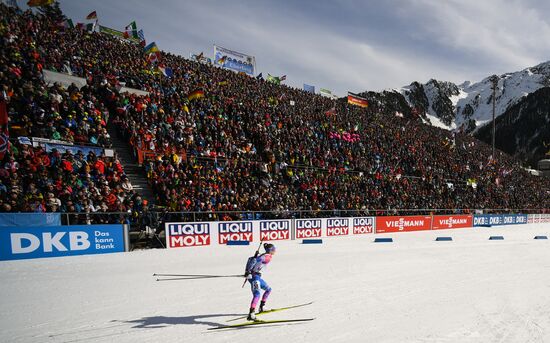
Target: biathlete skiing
253,274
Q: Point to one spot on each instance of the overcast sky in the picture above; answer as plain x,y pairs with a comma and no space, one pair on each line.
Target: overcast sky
346,45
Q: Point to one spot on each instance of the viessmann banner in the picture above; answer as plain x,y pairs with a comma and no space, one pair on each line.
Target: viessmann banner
403,223
452,222
55,241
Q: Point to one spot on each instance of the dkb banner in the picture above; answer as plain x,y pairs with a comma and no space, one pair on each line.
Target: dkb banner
54,241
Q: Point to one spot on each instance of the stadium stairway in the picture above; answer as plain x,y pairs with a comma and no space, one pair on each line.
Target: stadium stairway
135,173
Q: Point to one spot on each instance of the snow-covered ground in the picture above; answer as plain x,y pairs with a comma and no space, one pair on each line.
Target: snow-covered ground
412,290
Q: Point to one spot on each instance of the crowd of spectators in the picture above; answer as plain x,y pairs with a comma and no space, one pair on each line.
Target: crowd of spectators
31,178
248,144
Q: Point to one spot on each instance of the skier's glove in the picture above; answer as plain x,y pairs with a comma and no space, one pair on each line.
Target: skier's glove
248,276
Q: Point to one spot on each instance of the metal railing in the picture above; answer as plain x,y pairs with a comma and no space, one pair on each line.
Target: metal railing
155,217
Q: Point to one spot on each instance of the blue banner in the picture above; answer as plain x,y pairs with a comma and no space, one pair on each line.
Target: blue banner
488,219
481,220
309,88
17,243
73,148
234,60
512,219
30,219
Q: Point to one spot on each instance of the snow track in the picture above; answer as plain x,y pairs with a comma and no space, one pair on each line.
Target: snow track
412,290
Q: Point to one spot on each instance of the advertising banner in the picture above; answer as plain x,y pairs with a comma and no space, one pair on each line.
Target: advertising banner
274,230
538,218
234,60
187,234
513,219
55,241
488,219
482,220
73,149
30,219
363,225
338,226
234,231
308,228
403,223
452,222
116,33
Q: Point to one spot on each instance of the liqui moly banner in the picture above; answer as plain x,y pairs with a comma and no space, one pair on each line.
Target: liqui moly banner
187,234
452,222
338,226
234,231
363,225
274,230
308,228
403,224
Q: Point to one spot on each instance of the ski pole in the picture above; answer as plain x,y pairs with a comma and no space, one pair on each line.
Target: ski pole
198,275
255,255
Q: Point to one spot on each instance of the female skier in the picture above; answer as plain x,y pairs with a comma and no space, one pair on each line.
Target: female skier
253,274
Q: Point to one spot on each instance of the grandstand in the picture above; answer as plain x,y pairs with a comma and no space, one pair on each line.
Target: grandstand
212,144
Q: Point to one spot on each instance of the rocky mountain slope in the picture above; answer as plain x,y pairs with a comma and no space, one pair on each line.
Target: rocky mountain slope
521,106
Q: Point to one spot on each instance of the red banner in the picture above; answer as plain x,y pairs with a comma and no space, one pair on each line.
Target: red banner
452,222
403,224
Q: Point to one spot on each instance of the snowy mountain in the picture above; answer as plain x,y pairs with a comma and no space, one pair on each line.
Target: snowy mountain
469,107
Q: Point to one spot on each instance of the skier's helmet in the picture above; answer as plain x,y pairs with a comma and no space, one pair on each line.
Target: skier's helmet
269,248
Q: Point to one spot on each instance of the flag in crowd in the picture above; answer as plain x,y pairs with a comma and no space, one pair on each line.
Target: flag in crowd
90,27
356,100
92,16
141,37
327,93
154,57
222,60
331,112
275,79
4,136
39,3
168,72
67,24
260,76
309,88
152,47
197,94
131,30
272,101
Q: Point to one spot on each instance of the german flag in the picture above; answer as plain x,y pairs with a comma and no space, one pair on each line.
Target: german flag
356,100
92,16
38,3
197,94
